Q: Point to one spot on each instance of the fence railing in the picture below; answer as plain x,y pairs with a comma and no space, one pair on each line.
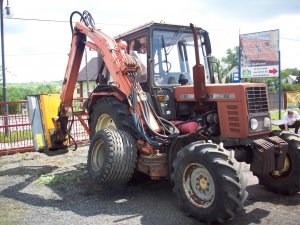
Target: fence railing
16,132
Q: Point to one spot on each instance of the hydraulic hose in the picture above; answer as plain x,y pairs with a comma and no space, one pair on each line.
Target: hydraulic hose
86,17
145,110
71,19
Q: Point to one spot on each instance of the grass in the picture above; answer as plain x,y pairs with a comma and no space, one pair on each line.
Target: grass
72,177
13,136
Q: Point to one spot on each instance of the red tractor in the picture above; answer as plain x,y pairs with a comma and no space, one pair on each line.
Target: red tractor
157,110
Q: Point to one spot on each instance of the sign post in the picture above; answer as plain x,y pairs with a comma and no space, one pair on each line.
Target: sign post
279,89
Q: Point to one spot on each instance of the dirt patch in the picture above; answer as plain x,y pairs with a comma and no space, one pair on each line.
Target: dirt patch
54,188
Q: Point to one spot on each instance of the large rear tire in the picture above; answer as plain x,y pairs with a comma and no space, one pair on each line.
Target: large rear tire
111,113
206,183
287,180
112,157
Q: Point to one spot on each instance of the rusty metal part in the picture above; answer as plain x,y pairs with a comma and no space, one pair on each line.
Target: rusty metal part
281,149
286,167
263,157
269,155
156,166
145,147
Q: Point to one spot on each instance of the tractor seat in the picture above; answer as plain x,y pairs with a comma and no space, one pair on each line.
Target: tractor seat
186,128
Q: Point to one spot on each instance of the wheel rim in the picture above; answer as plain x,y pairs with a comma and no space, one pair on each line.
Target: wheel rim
198,185
105,121
284,171
98,155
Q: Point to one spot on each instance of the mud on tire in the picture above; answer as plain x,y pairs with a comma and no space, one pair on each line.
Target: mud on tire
206,183
112,157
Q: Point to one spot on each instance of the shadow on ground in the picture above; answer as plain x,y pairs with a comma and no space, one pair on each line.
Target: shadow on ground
153,201
143,198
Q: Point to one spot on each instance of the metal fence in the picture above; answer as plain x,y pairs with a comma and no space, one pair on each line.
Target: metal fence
273,98
15,127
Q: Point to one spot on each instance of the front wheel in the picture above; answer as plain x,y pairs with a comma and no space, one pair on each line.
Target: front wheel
206,183
287,180
112,157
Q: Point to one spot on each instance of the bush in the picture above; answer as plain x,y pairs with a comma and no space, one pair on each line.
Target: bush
290,87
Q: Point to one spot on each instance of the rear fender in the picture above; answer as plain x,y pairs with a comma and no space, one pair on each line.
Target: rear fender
96,96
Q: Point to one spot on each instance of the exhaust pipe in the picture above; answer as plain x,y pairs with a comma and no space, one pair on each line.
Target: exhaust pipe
198,70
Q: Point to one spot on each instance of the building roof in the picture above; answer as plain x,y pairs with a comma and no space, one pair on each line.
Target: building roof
293,77
92,70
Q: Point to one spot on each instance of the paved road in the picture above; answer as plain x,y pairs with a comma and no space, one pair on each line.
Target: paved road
52,189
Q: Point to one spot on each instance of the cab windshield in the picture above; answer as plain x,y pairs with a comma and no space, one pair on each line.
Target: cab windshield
174,57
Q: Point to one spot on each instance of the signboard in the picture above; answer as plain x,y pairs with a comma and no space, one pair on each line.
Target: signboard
259,54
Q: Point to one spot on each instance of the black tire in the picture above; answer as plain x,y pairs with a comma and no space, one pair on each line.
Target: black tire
118,112
112,157
286,181
207,185
176,145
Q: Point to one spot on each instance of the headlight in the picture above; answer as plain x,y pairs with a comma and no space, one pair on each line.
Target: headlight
267,122
253,124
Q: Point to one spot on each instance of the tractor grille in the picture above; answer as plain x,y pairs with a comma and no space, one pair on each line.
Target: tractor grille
233,118
257,99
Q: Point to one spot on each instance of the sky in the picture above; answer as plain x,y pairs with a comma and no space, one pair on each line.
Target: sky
37,50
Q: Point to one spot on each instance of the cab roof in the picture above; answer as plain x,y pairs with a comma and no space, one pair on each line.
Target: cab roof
148,25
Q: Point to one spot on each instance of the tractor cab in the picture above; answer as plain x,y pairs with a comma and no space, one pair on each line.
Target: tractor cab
166,54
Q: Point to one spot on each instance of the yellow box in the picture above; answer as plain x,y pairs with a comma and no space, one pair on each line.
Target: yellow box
49,104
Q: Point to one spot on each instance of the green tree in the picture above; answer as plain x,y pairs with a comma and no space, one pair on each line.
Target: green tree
229,61
227,80
290,87
46,89
216,66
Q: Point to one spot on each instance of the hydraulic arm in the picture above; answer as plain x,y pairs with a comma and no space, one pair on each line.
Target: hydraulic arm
123,69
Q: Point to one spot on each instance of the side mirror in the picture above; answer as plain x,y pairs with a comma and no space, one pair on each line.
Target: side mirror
8,12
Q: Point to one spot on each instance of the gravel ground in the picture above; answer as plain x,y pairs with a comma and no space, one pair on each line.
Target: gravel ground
54,188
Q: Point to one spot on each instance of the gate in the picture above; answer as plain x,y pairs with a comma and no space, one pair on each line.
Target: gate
15,127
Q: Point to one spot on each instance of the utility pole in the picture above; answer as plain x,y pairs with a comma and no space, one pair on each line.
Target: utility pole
4,89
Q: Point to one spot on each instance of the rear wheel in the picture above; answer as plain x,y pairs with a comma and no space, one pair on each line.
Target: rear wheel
206,183
287,180
112,157
111,113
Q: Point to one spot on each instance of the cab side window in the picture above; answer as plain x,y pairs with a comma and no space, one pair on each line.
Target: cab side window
138,49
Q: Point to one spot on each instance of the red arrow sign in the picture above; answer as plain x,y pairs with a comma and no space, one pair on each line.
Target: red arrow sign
273,71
